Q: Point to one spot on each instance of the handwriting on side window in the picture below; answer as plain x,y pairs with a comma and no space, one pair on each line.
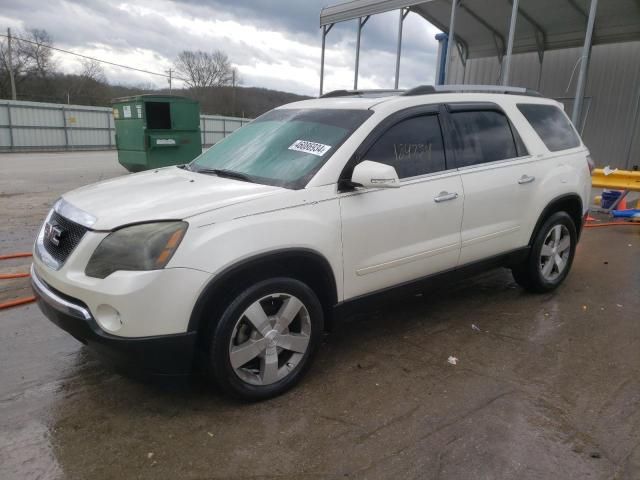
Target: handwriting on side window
412,151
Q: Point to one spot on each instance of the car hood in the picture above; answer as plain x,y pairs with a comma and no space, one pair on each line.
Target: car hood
164,194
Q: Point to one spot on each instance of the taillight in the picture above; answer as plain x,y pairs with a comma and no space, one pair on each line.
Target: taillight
591,165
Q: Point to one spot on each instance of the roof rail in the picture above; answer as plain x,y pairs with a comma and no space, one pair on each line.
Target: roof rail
428,89
420,90
362,93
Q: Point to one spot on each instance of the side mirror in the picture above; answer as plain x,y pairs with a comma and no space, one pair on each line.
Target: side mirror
375,175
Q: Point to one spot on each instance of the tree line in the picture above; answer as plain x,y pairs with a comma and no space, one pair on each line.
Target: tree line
209,77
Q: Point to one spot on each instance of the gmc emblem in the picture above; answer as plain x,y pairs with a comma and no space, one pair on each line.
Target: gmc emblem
53,233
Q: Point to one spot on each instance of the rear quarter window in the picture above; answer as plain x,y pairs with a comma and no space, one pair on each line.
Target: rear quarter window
551,125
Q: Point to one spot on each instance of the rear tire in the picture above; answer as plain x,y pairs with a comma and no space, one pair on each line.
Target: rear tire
550,257
266,338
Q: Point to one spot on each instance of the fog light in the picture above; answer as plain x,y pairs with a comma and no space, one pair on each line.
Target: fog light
108,318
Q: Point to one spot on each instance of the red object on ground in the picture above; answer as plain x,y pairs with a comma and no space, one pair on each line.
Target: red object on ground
15,255
611,224
8,276
16,302
622,205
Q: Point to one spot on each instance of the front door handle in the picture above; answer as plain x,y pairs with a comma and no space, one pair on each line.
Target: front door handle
526,179
444,196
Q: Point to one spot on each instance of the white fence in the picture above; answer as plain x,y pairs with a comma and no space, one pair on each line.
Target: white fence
29,126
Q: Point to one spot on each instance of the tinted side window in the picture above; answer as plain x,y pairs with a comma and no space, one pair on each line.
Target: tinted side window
412,146
551,125
482,136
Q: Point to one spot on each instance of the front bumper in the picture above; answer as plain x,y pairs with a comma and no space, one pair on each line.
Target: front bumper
156,355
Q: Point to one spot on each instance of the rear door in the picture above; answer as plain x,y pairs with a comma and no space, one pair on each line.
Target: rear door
498,176
395,235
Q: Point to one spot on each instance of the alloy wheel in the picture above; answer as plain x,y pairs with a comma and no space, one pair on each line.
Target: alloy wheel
270,339
555,252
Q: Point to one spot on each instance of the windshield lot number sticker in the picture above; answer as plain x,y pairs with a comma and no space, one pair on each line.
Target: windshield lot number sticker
313,148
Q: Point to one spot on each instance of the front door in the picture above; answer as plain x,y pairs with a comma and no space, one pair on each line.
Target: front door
395,235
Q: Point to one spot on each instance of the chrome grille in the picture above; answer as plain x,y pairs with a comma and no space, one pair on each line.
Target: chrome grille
71,234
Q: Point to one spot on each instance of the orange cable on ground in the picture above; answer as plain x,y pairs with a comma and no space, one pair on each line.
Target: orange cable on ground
15,255
16,302
8,276
610,224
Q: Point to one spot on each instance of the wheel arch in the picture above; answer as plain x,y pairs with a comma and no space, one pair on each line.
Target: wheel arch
570,203
306,265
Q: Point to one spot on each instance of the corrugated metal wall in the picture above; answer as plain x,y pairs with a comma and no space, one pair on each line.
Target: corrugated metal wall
214,128
610,124
50,126
28,126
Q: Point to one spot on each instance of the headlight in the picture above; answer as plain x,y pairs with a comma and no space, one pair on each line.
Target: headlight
148,246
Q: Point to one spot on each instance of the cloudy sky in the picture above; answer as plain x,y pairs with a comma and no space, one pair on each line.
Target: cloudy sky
273,43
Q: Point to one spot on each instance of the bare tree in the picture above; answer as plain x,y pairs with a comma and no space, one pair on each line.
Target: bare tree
19,63
92,70
35,49
236,79
202,69
31,58
145,86
90,85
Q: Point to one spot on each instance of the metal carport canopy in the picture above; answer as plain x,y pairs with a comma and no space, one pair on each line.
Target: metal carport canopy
482,26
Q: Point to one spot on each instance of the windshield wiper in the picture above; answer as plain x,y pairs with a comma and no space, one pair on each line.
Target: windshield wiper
222,172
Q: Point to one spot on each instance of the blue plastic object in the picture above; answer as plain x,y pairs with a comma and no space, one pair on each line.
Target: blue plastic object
609,197
442,38
631,213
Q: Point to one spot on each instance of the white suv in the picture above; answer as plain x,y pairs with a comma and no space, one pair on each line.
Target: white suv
238,261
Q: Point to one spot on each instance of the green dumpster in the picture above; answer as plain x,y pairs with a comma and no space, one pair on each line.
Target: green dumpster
156,131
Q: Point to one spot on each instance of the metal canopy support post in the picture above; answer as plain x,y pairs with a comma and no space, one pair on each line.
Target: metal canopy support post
499,48
584,66
512,30
66,128
361,23
10,66
540,41
451,33
325,29
632,131
403,14
462,51
109,128
442,56
11,140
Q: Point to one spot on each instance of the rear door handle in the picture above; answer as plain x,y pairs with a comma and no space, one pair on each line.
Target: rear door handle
444,196
526,179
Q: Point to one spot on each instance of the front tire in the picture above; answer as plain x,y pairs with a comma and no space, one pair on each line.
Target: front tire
266,338
551,255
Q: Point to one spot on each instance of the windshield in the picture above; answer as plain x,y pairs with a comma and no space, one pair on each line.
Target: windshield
282,147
